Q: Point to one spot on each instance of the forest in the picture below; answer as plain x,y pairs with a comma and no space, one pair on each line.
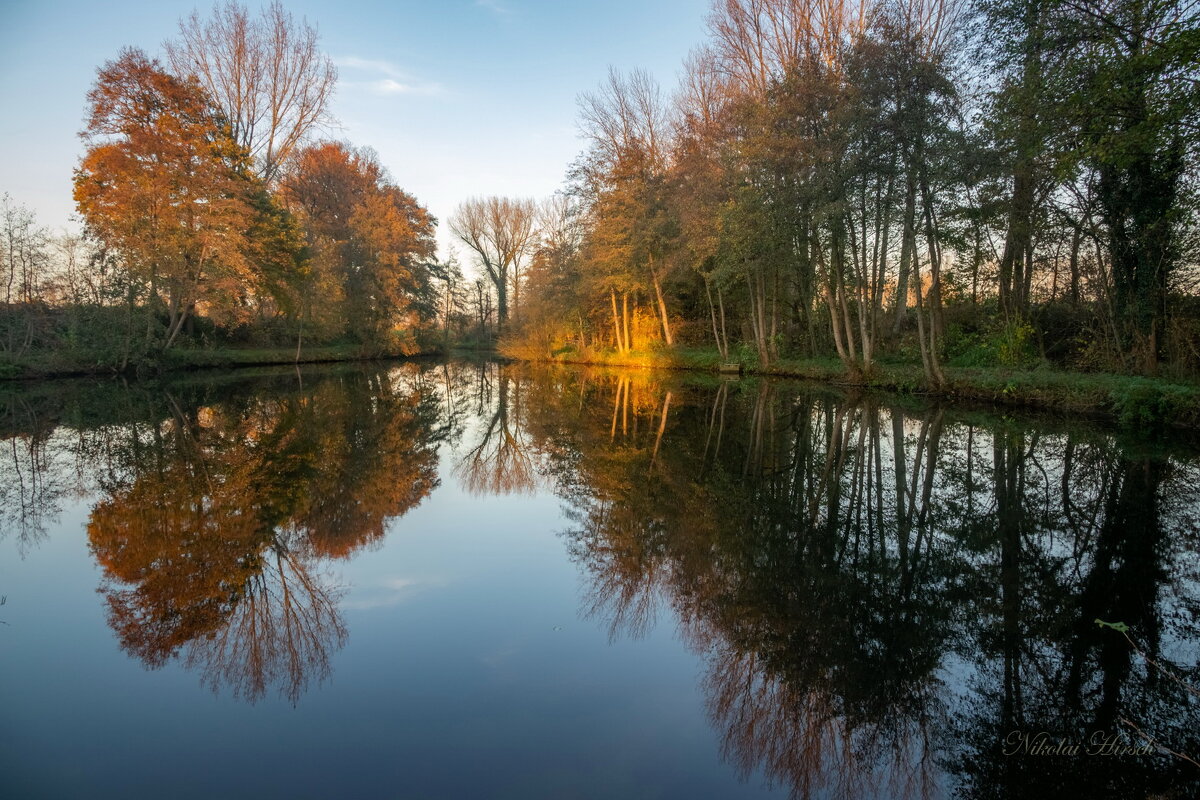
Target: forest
938,184
975,184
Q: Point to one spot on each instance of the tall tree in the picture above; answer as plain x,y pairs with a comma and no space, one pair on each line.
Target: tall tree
163,183
372,242
501,233
628,126
267,74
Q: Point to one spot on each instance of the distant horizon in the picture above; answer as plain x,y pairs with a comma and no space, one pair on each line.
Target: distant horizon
474,97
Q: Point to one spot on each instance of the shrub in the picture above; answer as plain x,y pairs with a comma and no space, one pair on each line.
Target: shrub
1146,404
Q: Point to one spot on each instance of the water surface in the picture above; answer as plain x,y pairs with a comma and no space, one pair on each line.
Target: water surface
475,580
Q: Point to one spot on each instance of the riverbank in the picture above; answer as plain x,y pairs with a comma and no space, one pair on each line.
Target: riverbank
1128,400
46,364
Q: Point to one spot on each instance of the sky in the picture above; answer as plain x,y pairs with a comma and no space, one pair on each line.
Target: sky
458,97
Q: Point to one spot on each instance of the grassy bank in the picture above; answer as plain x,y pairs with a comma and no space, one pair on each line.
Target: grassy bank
52,364
1128,400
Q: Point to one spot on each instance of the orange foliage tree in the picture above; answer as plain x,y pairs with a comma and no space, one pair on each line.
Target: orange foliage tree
164,185
372,242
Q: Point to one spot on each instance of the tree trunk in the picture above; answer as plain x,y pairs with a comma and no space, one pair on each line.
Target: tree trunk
662,308
616,321
907,245
625,318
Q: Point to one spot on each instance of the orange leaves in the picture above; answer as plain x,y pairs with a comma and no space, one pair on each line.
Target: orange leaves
376,238
166,186
162,184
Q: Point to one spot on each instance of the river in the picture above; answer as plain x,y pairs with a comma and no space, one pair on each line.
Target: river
468,579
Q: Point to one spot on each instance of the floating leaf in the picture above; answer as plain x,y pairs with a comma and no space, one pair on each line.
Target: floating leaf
1119,627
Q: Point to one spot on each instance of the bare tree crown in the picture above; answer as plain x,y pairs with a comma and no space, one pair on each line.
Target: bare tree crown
267,74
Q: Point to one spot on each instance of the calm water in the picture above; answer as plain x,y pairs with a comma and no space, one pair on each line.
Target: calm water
468,580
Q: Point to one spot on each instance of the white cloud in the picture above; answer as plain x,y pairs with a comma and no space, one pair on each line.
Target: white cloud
388,86
387,593
383,78
495,6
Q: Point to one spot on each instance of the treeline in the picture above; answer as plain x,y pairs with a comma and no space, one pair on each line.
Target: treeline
214,213
1004,182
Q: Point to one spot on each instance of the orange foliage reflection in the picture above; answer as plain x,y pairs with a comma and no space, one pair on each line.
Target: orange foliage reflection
214,546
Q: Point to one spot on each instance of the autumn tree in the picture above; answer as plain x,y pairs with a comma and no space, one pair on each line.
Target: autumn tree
164,184
699,185
556,306
372,242
500,233
266,73
624,177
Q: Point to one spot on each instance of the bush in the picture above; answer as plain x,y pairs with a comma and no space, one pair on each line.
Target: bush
1012,344
1147,404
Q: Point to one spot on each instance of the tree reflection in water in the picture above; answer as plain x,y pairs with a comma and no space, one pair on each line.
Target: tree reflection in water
218,521
498,461
882,594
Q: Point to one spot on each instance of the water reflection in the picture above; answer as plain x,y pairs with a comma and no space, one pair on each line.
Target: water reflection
218,521
499,460
885,595
888,600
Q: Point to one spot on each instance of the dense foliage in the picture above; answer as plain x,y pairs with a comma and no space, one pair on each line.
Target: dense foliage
997,183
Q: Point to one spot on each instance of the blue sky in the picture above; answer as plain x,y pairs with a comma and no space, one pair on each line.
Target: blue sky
459,97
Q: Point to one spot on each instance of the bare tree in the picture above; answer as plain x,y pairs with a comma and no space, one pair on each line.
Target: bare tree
501,232
560,223
627,114
703,91
267,75
23,253
757,41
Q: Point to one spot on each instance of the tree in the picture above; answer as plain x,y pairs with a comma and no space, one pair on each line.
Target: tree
23,252
624,175
1136,103
163,183
24,262
372,242
391,249
554,307
1022,118
267,75
500,231
700,181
